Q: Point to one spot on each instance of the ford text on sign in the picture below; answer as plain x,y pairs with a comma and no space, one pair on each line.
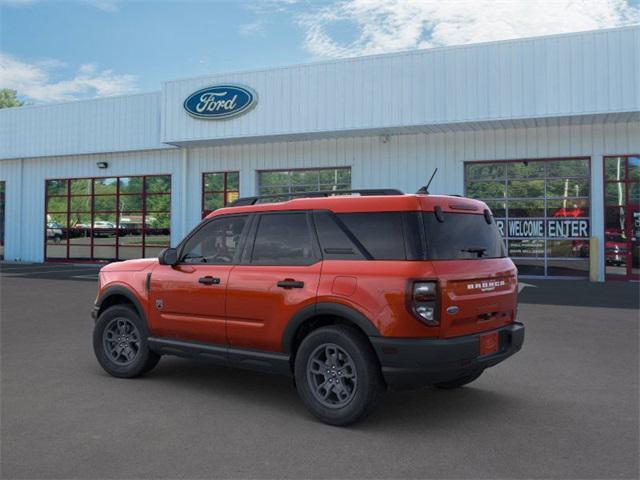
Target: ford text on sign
220,101
552,228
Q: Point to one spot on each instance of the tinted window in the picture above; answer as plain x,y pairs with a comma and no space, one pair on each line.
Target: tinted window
380,233
462,236
335,243
283,239
216,243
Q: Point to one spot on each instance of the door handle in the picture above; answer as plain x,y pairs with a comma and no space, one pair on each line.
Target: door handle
290,283
208,280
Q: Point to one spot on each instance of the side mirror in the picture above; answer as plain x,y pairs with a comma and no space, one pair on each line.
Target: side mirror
168,256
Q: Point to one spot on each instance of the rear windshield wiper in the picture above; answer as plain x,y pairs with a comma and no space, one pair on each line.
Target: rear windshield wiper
478,250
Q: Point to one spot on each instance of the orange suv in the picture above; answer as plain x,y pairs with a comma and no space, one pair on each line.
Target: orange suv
350,294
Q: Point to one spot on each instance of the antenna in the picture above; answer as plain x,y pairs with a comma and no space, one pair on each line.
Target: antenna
425,190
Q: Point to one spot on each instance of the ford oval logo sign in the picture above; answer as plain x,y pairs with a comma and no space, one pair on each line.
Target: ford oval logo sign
220,102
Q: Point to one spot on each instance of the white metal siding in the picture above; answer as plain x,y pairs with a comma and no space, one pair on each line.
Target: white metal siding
11,174
404,161
407,161
113,124
25,195
558,76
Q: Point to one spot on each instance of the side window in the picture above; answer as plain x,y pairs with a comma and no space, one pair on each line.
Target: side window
216,243
335,243
283,239
380,233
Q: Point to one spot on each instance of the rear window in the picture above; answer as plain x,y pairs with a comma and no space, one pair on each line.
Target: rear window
462,236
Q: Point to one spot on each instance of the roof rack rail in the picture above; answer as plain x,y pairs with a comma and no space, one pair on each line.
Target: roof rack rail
325,193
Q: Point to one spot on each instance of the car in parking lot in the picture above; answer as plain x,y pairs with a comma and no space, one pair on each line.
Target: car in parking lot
350,293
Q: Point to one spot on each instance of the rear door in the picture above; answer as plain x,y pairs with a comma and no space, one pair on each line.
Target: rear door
478,283
279,275
187,301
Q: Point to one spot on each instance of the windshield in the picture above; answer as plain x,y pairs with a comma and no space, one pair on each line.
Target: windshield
462,236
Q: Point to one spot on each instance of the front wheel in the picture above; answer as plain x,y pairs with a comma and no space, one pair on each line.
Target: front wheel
460,381
337,375
120,343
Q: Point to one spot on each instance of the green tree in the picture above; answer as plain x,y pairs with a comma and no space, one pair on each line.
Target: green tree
8,98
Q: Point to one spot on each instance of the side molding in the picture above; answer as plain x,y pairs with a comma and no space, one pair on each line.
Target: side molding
325,308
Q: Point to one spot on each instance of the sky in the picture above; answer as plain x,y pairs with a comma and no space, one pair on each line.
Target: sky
54,50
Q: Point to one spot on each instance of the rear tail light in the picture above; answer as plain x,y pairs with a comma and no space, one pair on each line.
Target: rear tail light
424,297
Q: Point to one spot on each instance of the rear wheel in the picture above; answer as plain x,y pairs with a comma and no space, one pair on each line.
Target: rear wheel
337,375
460,381
120,343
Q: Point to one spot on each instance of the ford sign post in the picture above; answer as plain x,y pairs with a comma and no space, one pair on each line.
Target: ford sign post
220,102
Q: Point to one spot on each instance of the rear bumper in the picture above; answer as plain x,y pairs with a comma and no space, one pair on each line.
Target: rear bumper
413,363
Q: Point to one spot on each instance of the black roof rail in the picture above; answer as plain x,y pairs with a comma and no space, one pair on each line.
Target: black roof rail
325,193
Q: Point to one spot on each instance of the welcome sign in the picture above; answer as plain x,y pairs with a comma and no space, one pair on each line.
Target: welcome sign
551,228
220,102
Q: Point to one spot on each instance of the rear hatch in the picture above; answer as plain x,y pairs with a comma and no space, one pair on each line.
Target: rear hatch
477,282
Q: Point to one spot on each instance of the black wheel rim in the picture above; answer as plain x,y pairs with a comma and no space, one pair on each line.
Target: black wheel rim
121,340
331,374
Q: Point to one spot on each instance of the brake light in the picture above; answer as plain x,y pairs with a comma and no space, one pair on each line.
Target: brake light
424,297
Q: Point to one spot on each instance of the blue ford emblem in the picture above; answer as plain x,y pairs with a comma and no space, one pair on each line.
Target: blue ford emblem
220,101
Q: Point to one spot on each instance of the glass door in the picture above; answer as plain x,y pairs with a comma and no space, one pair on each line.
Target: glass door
622,217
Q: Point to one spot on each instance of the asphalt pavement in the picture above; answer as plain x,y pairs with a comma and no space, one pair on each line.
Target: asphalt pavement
566,406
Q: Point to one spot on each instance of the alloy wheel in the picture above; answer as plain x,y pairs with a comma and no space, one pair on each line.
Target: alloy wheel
331,375
121,340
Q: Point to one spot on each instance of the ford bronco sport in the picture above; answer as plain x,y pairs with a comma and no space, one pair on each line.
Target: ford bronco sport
350,294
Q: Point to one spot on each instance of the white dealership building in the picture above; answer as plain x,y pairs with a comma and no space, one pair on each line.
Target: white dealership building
546,130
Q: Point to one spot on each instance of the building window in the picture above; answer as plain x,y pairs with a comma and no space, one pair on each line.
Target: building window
102,219
2,187
542,208
218,190
277,182
622,217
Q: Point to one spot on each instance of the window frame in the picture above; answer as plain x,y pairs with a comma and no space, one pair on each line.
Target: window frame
92,213
247,255
628,209
225,191
3,206
505,179
289,185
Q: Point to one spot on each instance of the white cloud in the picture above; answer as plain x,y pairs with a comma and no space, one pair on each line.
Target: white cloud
34,80
390,25
252,28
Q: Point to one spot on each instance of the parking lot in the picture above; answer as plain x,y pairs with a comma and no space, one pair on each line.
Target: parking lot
566,406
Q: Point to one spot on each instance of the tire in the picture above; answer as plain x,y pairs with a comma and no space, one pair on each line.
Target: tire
341,358
131,358
460,381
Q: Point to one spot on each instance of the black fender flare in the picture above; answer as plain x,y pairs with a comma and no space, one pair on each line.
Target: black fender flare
122,291
325,308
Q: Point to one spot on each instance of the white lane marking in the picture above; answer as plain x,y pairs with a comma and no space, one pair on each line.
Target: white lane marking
92,277
522,286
